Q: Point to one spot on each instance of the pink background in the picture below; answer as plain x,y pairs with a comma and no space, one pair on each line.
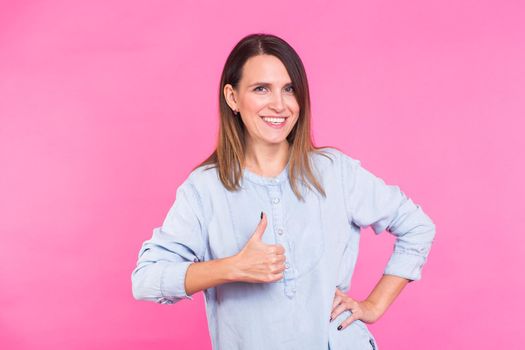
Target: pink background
106,106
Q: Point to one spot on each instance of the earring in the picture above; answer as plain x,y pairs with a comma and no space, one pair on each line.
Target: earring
236,112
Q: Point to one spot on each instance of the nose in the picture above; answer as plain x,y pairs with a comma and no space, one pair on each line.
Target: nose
277,103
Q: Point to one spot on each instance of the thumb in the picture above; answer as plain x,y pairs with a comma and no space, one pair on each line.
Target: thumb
261,227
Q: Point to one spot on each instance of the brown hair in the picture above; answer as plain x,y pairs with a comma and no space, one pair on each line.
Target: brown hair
229,154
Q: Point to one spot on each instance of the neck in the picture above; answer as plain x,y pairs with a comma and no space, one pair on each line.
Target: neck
266,159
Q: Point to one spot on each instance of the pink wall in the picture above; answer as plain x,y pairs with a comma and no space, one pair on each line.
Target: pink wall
106,106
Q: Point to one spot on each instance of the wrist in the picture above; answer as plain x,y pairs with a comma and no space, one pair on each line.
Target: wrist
232,273
375,308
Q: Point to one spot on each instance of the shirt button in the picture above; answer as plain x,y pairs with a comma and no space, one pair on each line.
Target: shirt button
280,231
286,265
276,200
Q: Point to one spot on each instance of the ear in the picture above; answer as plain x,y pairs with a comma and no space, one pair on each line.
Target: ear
230,96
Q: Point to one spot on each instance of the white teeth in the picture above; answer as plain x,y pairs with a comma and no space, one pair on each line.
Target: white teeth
274,120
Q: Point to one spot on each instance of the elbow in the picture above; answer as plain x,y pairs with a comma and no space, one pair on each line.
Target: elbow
145,287
137,292
428,240
429,228
137,282
428,236
141,287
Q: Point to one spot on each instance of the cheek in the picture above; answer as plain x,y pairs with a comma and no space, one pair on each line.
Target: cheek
293,105
254,104
295,111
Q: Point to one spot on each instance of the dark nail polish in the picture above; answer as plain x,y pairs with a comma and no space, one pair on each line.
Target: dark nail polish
330,319
339,328
261,215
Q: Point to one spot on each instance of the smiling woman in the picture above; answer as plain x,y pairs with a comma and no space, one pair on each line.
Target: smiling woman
264,78
268,226
269,110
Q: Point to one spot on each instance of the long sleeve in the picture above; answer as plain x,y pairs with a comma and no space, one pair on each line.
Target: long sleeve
370,201
164,259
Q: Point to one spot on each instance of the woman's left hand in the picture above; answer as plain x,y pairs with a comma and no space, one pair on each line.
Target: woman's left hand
365,310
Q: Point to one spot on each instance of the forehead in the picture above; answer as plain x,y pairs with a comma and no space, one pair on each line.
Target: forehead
264,68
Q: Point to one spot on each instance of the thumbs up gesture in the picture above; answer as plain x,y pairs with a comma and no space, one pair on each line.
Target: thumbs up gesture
259,262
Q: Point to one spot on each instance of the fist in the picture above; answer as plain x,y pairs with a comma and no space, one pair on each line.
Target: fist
258,262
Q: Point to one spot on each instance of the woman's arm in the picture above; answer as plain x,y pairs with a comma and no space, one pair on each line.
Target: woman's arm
371,309
164,259
208,274
371,202
257,262
384,294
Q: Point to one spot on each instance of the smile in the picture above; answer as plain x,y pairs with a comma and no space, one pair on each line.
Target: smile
275,122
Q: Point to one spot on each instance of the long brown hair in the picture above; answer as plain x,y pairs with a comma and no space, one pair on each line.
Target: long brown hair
229,154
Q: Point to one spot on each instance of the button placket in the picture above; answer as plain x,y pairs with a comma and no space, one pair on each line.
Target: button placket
289,273
281,238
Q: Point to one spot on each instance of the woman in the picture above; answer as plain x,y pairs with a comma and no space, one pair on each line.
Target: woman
268,226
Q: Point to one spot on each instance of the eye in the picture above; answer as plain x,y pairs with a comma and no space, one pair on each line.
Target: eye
290,89
259,87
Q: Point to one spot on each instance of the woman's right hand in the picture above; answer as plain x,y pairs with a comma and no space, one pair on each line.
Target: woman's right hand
259,262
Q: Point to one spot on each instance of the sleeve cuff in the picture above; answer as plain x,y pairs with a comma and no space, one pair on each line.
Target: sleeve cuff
172,281
404,265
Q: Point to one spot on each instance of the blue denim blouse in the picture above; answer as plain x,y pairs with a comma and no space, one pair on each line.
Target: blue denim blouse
321,241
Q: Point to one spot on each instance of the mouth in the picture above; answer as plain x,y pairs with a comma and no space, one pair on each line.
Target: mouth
275,121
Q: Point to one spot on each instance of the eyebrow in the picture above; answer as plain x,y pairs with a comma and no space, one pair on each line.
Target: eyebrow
266,84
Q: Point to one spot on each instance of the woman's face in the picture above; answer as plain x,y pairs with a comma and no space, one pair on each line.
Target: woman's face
265,100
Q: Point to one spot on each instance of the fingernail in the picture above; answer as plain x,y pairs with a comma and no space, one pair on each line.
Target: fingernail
330,319
339,328
261,215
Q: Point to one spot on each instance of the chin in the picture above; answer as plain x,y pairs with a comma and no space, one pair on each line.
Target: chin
275,142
